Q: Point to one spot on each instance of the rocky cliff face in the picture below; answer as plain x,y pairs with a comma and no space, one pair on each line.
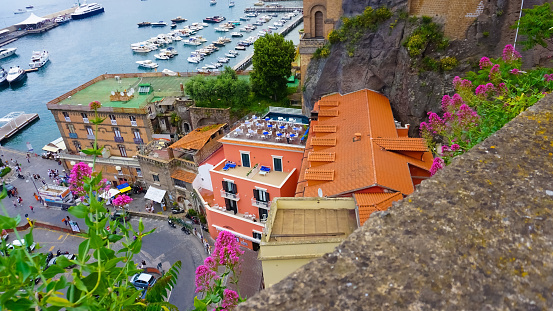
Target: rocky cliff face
381,63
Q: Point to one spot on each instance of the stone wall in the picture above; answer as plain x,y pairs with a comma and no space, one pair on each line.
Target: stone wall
201,116
478,235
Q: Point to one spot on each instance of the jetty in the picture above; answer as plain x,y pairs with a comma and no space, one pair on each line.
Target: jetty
272,10
14,122
246,62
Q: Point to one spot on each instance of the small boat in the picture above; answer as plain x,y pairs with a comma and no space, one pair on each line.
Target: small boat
144,24
159,24
147,64
86,10
260,3
20,11
278,24
236,34
141,49
231,4
273,14
211,66
223,59
258,23
191,41
16,74
220,29
62,19
214,19
3,76
7,52
240,47
173,25
230,55
244,18
212,2
179,20
252,14
30,6
272,27
194,59
39,58
161,56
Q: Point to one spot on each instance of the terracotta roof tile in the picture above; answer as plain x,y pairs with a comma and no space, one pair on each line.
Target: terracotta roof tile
324,128
316,174
184,176
321,156
331,141
369,203
328,113
328,103
402,144
197,138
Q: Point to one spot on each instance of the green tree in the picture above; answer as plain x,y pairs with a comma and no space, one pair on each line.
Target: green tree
224,91
537,25
272,65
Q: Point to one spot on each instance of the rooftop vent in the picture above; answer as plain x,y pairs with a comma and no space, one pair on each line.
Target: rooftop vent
357,137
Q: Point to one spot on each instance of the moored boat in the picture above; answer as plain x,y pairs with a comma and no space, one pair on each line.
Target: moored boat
179,20
236,34
144,24
214,19
212,2
20,11
87,10
62,19
39,58
16,74
147,64
159,24
3,76
7,52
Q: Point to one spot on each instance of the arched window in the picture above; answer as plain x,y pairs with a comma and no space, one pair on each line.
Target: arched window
319,27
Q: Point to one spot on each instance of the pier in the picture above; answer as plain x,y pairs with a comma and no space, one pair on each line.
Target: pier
272,10
14,122
246,62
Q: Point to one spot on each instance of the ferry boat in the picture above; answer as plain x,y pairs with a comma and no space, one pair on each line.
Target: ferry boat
3,76
87,10
62,19
144,24
7,52
214,19
16,74
147,64
39,58
179,20
159,24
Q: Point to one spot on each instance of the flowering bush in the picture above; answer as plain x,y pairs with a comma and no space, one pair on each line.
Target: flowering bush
226,254
95,105
79,172
122,200
484,102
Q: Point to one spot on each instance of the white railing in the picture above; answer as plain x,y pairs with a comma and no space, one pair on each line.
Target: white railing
261,204
133,123
85,120
230,196
113,122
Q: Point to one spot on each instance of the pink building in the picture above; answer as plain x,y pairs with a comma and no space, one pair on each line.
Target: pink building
262,158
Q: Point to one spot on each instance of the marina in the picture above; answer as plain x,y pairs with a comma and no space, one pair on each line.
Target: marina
14,122
273,10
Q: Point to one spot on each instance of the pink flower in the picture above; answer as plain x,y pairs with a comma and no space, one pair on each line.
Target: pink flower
548,77
79,172
121,200
445,148
494,72
455,147
446,100
227,250
485,62
502,89
95,105
204,275
510,54
437,165
515,71
485,90
230,299
209,262
461,84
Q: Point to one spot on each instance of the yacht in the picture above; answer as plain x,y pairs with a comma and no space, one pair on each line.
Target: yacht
30,6
260,3
7,52
162,56
236,34
214,19
191,41
194,59
20,11
3,76
231,4
159,24
179,20
86,10
223,59
252,14
244,18
62,19
212,2
16,74
39,58
147,64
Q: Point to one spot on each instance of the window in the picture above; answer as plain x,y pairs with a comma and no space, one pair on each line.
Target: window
245,159
138,172
77,145
257,235
89,131
113,120
122,150
136,134
261,195
231,206
120,172
229,187
133,120
277,164
155,177
85,117
117,132
71,128
66,116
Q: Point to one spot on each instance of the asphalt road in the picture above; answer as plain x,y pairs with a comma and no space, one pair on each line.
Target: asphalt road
166,245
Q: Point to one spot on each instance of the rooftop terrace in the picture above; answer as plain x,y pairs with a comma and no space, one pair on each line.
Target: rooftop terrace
273,178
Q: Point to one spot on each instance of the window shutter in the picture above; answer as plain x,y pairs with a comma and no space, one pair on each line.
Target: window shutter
256,194
225,186
267,196
234,190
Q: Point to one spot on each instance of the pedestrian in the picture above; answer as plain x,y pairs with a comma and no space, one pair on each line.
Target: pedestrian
32,208
28,158
14,203
68,219
65,221
19,200
43,182
37,176
36,196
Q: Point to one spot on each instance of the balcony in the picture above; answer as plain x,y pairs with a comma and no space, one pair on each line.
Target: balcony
85,120
230,196
138,141
133,123
90,136
73,135
67,119
261,204
119,139
113,122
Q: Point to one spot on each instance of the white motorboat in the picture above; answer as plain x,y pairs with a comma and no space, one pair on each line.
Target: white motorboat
211,66
194,59
200,38
7,52
240,47
223,59
39,58
191,41
16,74
169,72
272,27
231,4
252,14
170,50
236,34
278,24
141,49
147,64
230,55
212,2
3,76
221,29
260,3
159,24
62,19
86,10
161,56
20,11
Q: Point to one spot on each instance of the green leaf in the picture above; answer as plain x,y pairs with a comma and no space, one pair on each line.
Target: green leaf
114,238
140,225
79,211
136,246
97,121
73,293
84,247
7,222
92,151
4,193
52,271
19,304
199,305
58,301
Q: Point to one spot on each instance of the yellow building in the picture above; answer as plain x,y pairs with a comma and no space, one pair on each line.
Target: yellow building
301,229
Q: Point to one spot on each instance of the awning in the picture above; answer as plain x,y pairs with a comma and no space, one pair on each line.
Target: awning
124,187
110,194
155,194
32,20
55,145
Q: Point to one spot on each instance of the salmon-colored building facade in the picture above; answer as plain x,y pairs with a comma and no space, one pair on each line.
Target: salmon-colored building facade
262,158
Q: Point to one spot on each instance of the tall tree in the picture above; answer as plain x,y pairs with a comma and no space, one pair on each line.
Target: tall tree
537,25
224,91
272,65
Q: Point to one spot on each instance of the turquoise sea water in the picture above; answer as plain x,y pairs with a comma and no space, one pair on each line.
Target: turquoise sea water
83,49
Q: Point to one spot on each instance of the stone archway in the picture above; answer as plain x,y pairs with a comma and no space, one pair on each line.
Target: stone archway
317,15
185,126
319,24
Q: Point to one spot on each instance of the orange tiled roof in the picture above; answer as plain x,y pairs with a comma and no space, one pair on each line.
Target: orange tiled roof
328,103
402,144
321,156
197,138
314,174
369,203
324,128
360,163
328,113
184,176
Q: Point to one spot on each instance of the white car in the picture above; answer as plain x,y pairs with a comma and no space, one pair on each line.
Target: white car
21,243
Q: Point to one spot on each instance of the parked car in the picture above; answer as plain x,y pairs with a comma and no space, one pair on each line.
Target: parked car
143,281
21,243
68,256
121,215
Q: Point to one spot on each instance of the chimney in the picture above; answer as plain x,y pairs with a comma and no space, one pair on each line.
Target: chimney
357,137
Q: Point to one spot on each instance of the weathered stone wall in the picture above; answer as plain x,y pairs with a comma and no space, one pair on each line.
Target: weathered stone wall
476,236
201,116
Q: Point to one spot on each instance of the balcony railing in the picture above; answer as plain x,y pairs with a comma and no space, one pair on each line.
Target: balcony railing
119,139
67,119
261,204
138,141
85,120
133,123
73,135
90,136
113,122
230,196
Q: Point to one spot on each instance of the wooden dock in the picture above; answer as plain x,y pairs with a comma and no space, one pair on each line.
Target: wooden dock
272,10
14,122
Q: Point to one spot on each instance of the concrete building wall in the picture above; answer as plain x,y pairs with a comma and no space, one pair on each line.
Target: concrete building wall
264,156
201,116
235,223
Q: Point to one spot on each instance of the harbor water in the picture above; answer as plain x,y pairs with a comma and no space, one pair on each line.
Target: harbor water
84,49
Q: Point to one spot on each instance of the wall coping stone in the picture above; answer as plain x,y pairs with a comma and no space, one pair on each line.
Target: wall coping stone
478,235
